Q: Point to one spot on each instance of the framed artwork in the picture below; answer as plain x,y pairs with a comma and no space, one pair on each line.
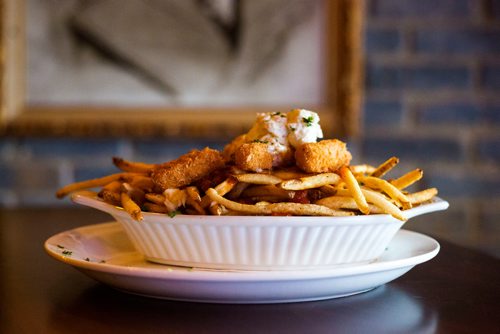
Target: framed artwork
169,68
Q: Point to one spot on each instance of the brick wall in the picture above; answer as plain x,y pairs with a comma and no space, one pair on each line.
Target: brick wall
432,99
433,84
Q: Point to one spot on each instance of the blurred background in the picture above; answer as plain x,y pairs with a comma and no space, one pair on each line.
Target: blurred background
431,97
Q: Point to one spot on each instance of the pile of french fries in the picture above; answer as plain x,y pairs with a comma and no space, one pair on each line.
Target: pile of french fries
353,190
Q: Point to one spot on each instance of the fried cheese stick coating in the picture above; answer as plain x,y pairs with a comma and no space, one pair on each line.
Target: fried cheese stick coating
230,149
253,157
188,168
322,157
256,156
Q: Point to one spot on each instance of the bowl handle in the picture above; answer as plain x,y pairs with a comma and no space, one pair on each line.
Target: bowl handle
437,204
90,199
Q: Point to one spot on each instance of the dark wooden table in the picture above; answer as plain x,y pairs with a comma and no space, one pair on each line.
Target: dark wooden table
456,292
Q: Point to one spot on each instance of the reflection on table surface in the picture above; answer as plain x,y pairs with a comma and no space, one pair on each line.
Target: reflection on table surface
457,290
375,310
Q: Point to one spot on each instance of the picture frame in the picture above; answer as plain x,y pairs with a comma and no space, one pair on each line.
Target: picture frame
339,112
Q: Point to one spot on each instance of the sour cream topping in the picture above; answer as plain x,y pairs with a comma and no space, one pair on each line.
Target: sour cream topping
280,130
284,131
303,126
270,128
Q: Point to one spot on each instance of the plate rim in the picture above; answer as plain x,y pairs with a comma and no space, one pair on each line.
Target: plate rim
199,274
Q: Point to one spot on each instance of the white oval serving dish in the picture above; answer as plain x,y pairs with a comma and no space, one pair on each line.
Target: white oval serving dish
259,242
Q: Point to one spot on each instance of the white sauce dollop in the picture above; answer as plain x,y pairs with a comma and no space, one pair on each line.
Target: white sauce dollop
282,131
270,128
303,126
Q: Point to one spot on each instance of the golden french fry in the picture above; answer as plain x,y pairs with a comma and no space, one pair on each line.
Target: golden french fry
344,192
287,174
354,189
193,193
270,199
257,178
222,188
113,186
110,193
309,182
155,198
226,186
153,207
382,202
217,209
385,167
422,196
237,190
136,194
99,182
196,206
388,188
142,182
130,166
266,190
408,179
235,206
344,203
233,170
362,169
194,200
329,190
110,197
276,208
299,209
131,207
87,193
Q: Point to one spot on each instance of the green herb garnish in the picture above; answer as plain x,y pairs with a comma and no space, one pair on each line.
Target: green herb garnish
60,246
308,120
278,114
260,141
67,252
173,214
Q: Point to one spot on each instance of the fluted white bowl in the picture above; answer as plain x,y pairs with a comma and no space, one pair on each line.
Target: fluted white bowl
259,242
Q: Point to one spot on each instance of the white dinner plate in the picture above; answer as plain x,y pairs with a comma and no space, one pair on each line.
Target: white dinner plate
104,253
